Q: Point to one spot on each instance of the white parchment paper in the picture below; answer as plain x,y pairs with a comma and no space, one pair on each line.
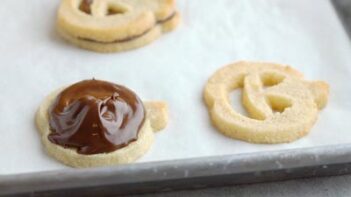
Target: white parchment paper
35,61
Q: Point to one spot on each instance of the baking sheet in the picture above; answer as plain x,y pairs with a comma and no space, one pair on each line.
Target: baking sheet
35,61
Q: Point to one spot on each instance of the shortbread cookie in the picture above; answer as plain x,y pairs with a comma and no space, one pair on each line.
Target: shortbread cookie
282,105
97,123
115,25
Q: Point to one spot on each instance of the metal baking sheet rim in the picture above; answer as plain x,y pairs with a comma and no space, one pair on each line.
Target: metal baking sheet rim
184,174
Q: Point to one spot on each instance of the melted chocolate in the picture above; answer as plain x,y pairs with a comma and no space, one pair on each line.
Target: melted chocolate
117,41
131,38
85,6
170,17
95,116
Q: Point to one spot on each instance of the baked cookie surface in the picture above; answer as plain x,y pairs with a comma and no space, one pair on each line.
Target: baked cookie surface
84,137
115,25
282,106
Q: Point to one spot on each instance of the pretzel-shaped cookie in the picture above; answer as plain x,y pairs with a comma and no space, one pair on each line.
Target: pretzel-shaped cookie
296,100
115,25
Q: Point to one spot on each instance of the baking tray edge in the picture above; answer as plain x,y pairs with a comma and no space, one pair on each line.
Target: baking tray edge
183,174
343,9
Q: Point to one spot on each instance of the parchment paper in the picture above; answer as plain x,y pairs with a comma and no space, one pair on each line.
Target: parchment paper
34,61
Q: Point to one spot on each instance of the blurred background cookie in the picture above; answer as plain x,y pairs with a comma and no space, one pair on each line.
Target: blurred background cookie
115,25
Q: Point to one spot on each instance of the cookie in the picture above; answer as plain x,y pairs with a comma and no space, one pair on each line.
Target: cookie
282,106
98,123
115,25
